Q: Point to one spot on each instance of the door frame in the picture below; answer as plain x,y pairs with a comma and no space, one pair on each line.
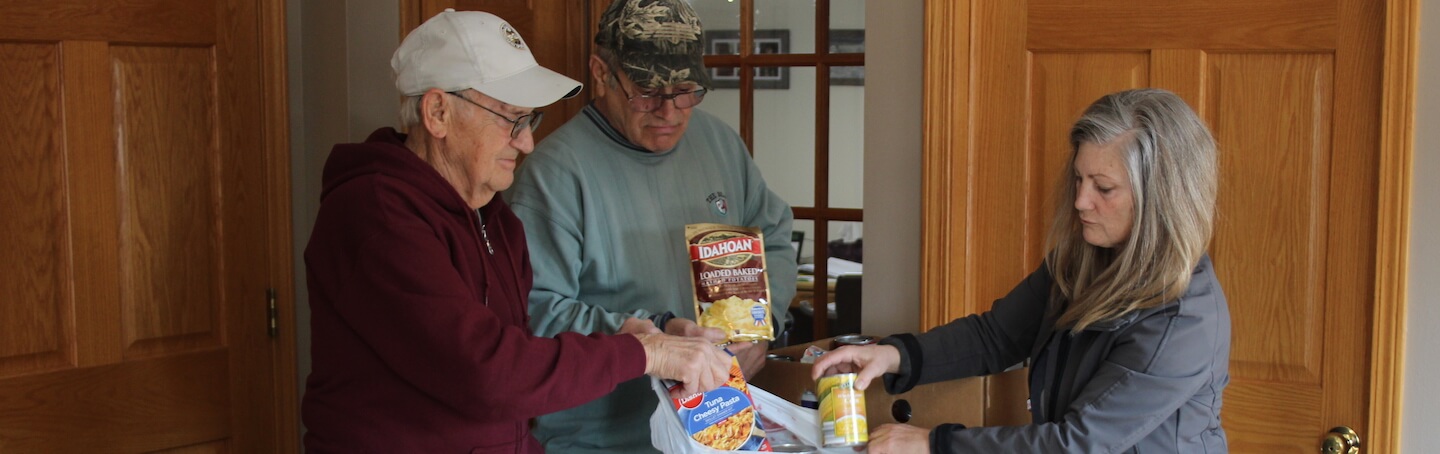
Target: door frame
275,134
947,153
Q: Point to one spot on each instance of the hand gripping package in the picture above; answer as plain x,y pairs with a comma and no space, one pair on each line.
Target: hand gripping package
728,273
724,418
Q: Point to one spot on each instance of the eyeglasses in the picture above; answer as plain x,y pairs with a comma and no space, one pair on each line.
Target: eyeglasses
530,120
650,103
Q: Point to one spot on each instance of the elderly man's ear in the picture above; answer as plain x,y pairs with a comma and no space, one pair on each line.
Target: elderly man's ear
599,75
436,114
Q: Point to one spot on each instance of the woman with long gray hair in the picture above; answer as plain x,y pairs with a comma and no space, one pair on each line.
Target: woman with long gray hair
1124,325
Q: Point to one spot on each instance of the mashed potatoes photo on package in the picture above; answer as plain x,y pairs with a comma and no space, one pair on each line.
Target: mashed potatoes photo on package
727,266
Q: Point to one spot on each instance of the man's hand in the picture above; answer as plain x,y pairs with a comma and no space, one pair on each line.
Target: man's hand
634,325
694,362
685,327
750,355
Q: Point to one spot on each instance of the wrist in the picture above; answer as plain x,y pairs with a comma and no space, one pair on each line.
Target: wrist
662,319
647,344
892,357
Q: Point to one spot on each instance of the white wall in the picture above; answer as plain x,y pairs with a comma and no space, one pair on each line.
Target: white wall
1422,359
893,101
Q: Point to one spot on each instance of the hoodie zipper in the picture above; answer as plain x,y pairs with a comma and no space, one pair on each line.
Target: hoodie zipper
485,297
484,236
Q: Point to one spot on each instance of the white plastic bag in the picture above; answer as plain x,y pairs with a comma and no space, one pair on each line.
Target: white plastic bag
780,418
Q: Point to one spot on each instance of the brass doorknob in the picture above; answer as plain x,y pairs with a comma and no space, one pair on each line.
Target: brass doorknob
1341,440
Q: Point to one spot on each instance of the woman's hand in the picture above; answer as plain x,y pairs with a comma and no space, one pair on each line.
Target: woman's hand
899,438
869,360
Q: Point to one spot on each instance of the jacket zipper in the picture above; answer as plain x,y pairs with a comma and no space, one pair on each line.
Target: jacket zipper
486,237
485,298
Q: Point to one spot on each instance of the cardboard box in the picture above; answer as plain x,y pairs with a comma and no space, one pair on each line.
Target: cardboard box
955,401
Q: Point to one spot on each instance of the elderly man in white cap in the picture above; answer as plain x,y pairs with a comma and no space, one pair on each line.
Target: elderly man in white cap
418,273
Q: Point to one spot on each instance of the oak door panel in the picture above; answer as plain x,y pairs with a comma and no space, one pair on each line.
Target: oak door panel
125,407
168,150
36,325
1057,98
137,248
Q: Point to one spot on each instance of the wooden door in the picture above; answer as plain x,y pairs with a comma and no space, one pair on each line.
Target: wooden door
558,32
144,207
1292,90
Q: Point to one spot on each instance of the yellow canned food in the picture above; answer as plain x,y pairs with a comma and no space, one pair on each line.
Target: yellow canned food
842,411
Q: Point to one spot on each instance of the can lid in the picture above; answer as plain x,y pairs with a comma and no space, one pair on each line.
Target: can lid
854,339
792,447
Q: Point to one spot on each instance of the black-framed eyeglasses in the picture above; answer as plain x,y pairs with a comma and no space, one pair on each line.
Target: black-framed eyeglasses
650,103
530,120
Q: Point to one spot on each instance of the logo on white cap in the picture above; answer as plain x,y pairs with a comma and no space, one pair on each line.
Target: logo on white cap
512,36
467,50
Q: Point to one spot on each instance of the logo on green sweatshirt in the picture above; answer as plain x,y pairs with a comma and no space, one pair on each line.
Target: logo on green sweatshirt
718,203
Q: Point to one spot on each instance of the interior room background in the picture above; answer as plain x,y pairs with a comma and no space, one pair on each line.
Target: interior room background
341,89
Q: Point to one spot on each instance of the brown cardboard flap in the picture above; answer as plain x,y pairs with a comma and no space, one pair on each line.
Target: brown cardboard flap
955,401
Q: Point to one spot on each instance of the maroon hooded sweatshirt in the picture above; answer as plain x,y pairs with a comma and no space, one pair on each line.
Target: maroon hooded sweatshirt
421,341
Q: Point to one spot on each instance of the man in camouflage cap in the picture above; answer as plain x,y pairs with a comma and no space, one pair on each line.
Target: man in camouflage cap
605,200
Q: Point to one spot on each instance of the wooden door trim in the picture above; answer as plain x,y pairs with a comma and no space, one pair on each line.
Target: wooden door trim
945,135
947,155
409,17
276,137
1392,248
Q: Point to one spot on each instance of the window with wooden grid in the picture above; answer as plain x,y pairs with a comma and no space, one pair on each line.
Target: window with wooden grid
789,75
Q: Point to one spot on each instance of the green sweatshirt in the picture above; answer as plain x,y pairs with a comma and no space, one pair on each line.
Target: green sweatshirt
605,221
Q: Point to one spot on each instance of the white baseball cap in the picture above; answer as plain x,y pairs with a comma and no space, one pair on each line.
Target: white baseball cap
458,50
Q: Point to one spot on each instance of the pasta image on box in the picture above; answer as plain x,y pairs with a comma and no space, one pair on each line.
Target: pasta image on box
727,266
724,418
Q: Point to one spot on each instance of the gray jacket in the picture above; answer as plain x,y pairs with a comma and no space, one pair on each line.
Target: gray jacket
1149,382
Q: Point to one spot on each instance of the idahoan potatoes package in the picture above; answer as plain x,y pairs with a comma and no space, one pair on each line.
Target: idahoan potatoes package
728,269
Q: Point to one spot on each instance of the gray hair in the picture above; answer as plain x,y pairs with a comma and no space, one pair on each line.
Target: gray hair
611,61
410,112
1173,165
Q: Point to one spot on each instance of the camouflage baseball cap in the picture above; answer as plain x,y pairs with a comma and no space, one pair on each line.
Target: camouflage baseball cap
656,42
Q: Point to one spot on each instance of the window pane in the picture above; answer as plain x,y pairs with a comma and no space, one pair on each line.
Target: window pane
847,18
721,19
845,241
784,27
847,138
785,137
724,104
717,15
805,230
766,41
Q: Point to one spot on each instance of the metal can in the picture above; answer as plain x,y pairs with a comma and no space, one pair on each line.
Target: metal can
853,339
842,412
793,447
808,400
